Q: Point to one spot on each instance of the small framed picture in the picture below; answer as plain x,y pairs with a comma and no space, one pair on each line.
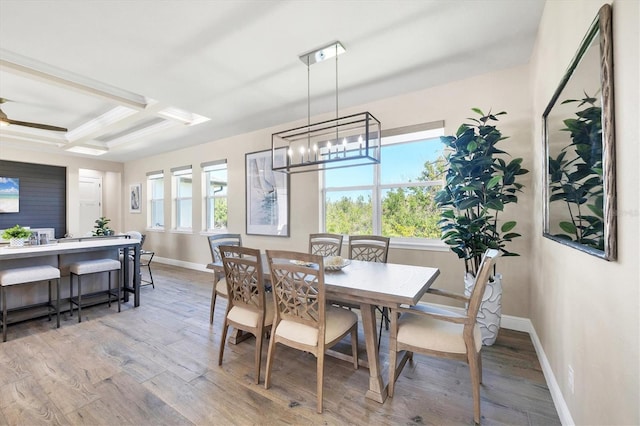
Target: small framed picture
135,198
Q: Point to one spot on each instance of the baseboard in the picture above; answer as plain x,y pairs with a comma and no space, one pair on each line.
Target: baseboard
189,265
508,322
552,383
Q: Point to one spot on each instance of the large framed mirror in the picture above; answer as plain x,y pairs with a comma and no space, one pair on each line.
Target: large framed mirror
579,161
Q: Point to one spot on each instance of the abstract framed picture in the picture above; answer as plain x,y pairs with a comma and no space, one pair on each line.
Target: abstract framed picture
9,195
135,194
267,194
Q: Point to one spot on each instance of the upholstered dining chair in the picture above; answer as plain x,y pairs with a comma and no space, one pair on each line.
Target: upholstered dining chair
219,282
441,333
371,248
302,319
324,244
247,308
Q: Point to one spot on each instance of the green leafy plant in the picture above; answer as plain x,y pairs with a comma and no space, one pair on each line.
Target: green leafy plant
575,176
101,227
16,232
478,185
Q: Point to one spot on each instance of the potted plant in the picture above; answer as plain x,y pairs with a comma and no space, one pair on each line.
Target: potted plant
16,235
101,227
479,183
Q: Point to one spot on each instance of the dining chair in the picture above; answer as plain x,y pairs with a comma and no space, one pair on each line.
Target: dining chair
219,282
302,319
247,308
324,244
371,248
442,333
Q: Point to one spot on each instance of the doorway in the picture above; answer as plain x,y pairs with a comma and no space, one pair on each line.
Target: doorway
90,195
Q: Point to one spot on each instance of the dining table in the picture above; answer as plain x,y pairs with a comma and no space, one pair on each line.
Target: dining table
371,284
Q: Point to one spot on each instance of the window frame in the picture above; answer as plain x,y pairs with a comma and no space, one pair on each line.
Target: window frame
207,168
404,135
176,175
152,179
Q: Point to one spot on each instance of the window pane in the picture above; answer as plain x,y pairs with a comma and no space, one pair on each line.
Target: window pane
349,176
157,189
217,219
349,212
184,186
157,213
183,210
217,182
410,212
405,162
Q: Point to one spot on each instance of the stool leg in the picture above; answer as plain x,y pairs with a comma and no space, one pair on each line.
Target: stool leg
58,303
109,293
79,298
71,294
117,291
49,310
4,314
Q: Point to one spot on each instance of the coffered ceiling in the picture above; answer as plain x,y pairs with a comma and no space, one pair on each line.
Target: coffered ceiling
132,78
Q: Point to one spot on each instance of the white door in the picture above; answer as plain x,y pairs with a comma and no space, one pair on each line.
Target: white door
90,203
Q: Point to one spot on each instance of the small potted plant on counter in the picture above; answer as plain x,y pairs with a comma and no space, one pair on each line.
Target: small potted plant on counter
102,228
16,235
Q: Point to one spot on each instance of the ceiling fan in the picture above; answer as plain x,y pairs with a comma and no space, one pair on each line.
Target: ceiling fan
5,121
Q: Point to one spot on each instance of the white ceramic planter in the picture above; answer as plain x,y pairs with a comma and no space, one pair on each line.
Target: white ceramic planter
16,242
490,312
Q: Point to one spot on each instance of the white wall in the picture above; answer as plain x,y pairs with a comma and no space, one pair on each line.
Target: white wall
585,309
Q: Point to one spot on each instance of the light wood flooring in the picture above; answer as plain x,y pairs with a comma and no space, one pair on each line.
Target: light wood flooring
157,364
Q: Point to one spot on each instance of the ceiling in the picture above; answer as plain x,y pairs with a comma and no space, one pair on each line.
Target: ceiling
134,78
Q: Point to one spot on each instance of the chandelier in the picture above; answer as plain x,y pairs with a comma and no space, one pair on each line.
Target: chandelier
352,140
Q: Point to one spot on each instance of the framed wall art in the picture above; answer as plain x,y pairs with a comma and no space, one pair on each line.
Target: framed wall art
267,194
135,198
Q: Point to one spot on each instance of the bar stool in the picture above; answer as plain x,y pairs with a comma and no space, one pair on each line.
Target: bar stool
26,275
87,267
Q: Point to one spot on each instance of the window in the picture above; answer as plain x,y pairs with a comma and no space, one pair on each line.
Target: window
155,189
183,190
215,195
394,198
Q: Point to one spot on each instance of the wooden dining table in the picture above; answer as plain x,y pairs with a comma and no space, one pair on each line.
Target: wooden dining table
371,284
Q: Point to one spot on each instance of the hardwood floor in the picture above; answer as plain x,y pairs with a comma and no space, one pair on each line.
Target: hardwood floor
157,364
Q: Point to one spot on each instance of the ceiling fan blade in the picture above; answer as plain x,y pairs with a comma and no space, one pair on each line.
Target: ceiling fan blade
37,125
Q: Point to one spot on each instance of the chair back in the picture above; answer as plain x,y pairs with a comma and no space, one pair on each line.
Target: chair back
370,248
297,280
243,270
217,240
325,244
135,235
484,271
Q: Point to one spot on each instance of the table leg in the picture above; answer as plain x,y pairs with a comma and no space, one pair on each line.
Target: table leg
377,391
238,336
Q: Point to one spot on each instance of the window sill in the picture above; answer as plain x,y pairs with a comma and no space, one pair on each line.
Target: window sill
216,232
181,231
155,229
426,245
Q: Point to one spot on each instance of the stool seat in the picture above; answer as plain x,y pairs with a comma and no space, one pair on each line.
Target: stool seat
28,274
87,267
94,266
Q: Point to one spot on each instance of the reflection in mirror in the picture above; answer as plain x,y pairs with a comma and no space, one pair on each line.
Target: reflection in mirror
579,197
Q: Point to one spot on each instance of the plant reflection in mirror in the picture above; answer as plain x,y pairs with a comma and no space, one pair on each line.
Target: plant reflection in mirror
575,176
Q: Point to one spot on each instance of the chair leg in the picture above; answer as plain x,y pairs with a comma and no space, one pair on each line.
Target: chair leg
117,289
475,384
258,356
320,378
223,340
150,274
480,366
109,293
270,355
213,302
